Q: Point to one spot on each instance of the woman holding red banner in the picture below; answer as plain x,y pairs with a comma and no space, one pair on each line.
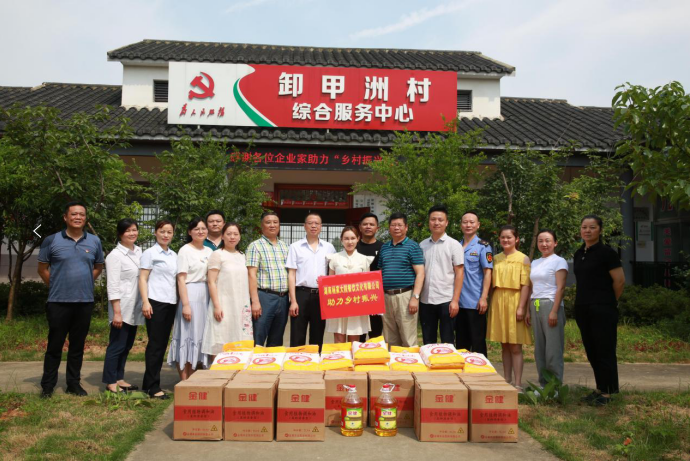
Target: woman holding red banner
348,261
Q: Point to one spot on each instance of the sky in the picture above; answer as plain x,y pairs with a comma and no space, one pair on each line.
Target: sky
578,50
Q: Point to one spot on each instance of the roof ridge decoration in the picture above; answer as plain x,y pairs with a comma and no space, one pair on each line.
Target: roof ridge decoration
443,60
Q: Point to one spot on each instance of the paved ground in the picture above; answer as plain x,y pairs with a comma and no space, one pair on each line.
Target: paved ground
25,377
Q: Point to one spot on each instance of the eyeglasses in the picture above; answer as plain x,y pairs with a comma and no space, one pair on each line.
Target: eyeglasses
313,223
395,226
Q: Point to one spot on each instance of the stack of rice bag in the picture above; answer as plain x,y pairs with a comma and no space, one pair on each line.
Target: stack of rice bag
337,357
406,359
372,355
235,356
302,358
476,362
267,358
442,358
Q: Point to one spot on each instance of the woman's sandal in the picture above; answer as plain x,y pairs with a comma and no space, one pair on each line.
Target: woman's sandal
118,391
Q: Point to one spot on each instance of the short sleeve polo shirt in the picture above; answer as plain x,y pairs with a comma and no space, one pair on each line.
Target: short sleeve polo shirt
594,284
71,266
478,256
396,261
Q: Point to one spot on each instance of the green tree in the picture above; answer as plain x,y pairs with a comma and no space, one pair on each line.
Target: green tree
196,177
656,123
527,190
417,173
47,160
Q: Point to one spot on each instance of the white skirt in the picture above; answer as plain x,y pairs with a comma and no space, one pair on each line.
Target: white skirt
349,325
187,337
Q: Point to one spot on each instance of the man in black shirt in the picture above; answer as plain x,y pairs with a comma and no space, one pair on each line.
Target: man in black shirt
369,246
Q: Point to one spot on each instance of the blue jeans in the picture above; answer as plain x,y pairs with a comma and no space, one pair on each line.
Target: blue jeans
121,342
274,316
434,317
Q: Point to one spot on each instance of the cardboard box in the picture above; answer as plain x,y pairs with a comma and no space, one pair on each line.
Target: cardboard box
203,375
250,409
199,410
300,414
482,378
253,373
440,412
493,412
287,373
404,393
436,378
335,380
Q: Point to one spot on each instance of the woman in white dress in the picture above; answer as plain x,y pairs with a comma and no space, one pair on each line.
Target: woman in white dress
229,315
348,261
190,319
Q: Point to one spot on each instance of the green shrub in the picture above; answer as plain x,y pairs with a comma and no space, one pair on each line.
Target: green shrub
647,306
677,327
31,299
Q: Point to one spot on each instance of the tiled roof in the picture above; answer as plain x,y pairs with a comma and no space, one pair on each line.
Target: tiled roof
544,123
170,50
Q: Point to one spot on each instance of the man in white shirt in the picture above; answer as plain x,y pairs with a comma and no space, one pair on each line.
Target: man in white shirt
306,262
444,261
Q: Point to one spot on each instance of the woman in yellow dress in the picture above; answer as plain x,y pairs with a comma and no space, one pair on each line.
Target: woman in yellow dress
508,316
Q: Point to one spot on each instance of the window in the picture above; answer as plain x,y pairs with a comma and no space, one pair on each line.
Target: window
160,91
464,101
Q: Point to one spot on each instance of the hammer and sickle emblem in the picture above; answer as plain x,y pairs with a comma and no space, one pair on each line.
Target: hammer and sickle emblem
206,90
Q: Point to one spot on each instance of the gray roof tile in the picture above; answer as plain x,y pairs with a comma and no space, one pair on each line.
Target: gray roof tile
545,123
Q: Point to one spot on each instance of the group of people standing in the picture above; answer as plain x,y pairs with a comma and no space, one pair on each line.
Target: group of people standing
210,293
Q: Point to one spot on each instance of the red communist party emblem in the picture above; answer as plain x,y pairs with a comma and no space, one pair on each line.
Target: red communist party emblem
206,90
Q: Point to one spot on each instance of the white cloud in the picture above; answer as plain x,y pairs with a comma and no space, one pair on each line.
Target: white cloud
410,20
239,6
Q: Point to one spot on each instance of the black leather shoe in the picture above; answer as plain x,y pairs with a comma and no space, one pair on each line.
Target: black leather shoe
129,388
163,396
46,393
76,390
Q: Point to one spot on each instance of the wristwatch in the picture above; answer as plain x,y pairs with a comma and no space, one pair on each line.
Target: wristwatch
416,296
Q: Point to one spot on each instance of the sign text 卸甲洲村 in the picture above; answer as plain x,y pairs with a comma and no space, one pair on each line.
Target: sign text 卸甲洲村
351,295
310,97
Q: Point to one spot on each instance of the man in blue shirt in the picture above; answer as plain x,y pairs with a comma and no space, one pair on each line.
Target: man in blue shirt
402,269
68,262
471,320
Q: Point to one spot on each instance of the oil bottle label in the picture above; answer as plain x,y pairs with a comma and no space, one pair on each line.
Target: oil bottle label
352,418
386,418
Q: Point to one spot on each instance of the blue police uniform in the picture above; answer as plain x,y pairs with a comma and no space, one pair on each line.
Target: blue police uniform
470,326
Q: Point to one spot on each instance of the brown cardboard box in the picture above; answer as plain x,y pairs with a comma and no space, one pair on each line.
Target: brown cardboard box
250,410
436,378
290,373
300,414
199,410
268,376
260,372
335,380
404,393
481,377
203,375
493,412
440,412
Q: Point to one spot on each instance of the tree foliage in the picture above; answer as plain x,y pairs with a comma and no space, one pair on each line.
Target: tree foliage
196,177
418,173
47,160
656,123
528,190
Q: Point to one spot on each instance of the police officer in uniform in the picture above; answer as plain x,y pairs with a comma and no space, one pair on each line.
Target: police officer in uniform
470,327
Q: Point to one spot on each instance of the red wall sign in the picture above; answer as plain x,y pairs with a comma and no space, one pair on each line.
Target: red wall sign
351,295
337,98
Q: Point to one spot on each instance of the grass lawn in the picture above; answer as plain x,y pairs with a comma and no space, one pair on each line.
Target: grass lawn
66,427
636,426
25,340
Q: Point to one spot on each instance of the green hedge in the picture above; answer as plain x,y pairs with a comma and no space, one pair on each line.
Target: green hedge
33,296
655,305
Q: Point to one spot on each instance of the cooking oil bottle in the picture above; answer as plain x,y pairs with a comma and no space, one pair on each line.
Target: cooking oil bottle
351,413
386,412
